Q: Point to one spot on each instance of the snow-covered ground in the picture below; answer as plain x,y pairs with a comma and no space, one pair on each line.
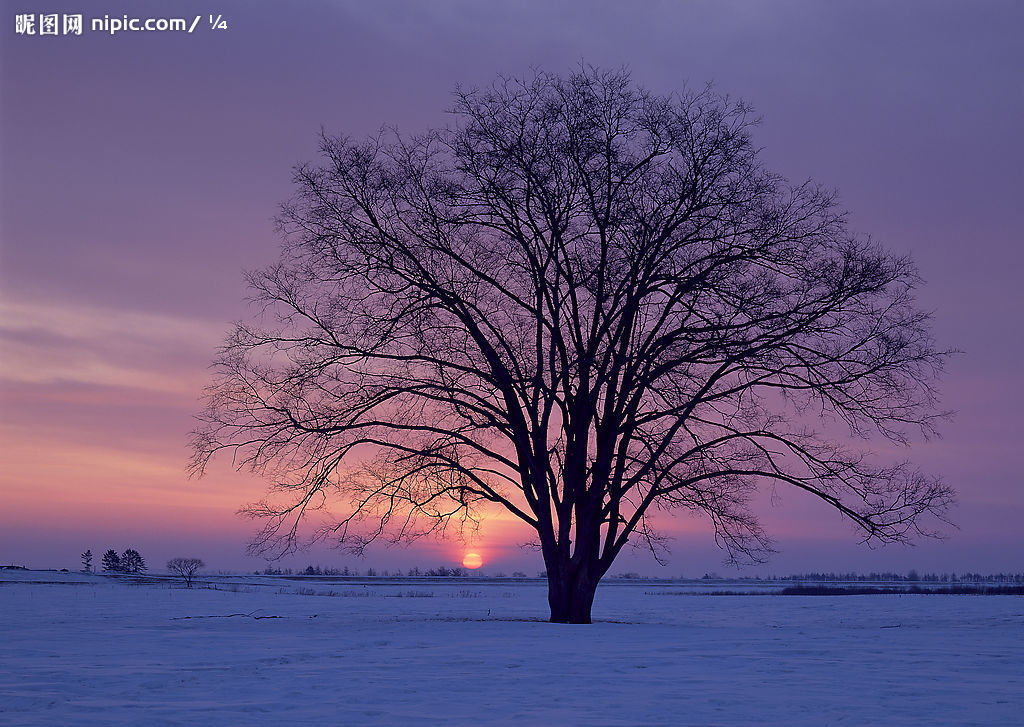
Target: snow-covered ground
91,650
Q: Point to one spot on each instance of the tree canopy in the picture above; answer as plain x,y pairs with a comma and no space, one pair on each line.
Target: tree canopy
582,302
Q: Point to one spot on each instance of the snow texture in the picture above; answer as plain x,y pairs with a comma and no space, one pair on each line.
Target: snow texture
95,650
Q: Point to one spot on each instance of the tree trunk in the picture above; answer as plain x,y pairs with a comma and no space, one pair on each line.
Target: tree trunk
571,594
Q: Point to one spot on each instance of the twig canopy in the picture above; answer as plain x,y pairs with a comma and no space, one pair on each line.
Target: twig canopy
582,301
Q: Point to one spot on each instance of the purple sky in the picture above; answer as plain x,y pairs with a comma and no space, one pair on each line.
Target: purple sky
140,172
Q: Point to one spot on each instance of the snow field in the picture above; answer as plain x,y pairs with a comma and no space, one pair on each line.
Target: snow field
88,650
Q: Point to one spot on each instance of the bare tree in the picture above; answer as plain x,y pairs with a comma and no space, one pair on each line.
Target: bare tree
186,568
582,302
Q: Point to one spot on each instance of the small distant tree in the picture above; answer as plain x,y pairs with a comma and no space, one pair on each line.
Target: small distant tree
186,568
111,561
132,561
87,561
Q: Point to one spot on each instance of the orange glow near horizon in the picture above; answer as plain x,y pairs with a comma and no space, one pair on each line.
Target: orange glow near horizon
472,561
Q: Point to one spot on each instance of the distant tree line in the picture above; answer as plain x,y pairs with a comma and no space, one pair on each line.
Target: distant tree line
130,561
961,588
911,576
415,571
309,571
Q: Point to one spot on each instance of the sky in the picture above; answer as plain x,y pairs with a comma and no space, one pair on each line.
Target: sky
140,172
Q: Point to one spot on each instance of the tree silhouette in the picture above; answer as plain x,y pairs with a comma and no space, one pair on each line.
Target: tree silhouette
186,568
132,561
87,561
584,303
111,561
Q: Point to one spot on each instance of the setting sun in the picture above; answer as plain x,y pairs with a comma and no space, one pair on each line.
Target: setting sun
472,561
